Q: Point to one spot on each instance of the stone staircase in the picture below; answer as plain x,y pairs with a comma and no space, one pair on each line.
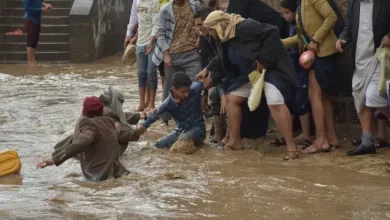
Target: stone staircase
53,46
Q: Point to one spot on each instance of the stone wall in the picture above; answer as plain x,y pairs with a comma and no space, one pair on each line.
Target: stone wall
98,28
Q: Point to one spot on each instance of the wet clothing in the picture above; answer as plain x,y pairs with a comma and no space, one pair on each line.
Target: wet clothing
97,145
188,117
380,23
113,100
260,12
125,134
187,62
254,41
33,11
184,35
33,31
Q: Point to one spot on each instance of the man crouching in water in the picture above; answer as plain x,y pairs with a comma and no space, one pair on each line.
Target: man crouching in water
184,104
96,145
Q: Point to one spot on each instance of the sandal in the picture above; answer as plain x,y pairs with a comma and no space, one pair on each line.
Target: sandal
380,143
317,149
291,155
305,143
279,142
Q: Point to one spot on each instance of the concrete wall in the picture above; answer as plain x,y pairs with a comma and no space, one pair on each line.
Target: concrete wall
97,28
2,5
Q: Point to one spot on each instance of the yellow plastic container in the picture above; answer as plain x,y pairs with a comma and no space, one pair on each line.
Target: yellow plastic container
9,163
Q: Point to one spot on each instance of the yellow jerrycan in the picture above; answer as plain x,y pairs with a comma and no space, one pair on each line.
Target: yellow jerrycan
9,163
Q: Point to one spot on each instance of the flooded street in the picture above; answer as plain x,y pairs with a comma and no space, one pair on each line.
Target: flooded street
39,109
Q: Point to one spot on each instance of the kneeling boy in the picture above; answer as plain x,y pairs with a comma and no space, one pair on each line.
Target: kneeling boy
184,104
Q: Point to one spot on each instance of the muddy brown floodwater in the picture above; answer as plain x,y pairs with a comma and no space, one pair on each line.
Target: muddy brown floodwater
39,109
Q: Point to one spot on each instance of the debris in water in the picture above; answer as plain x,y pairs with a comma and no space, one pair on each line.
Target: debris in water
173,176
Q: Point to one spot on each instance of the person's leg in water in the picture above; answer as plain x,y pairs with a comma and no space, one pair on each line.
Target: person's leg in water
329,122
161,69
167,141
147,95
315,94
381,137
215,103
188,141
302,107
33,32
373,100
142,65
234,116
152,84
282,117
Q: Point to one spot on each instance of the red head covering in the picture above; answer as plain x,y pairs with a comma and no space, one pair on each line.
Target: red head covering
92,106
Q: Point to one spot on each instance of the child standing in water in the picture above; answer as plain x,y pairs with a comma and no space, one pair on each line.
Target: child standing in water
301,107
184,104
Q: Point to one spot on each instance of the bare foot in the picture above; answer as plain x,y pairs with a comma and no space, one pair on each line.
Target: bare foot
225,140
317,147
333,142
149,108
236,146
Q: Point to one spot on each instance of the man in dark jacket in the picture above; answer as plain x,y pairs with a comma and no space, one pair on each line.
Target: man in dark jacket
261,12
368,28
97,145
244,44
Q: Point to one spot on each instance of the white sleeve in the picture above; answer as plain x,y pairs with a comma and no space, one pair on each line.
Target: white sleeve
155,15
133,18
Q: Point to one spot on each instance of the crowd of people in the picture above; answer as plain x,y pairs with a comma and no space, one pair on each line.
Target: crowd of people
205,52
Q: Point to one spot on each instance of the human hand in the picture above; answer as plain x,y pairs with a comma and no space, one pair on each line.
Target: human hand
49,6
127,41
208,83
339,45
386,41
167,60
45,163
149,47
202,75
259,66
118,126
223,105
45,9
141,129
313,46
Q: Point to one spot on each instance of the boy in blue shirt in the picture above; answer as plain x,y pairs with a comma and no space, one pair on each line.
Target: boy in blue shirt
184,105
32,21
301,108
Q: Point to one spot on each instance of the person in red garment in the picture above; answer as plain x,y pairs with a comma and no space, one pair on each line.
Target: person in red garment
96,144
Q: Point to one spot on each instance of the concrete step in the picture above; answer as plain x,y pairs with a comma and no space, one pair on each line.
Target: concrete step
54,3
45,46
44,37
20,12
4,28
21,56
50,20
